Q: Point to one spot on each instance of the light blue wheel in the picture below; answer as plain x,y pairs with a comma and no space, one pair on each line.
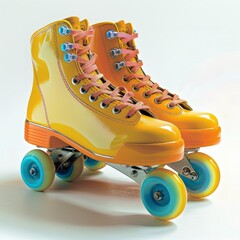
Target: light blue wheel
93,165
37,170
163,194
72,172
208,175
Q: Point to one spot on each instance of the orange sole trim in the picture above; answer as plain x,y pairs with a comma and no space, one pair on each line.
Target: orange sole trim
128,154
151,154
195,138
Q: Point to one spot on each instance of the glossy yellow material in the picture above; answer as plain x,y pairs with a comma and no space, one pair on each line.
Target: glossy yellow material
197,128
58,105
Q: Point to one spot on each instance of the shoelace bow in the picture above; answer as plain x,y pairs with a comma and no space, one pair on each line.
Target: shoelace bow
135,66
88,66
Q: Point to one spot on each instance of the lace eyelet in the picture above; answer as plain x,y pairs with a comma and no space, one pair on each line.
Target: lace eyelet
169,107
111,34
145,95
157,101
75,81
116,111
66,46
83,90
119,65
127,116
103,105
92,98
124,79
68,57
64,30
114,52
134,88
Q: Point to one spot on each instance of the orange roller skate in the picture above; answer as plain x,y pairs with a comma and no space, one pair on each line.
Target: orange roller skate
118,61
78,115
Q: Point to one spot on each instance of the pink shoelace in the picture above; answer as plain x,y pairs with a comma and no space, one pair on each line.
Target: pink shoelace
145,79
89,68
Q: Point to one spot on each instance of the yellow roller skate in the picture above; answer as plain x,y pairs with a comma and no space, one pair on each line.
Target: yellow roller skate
78,115
118,61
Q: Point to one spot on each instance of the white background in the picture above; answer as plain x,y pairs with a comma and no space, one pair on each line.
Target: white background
190,47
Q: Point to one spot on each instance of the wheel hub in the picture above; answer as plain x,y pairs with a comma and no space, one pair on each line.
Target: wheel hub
33,171
157,196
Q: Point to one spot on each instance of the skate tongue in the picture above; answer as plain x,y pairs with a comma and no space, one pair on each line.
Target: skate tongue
125,27
121,26
75,22
84,25
129,28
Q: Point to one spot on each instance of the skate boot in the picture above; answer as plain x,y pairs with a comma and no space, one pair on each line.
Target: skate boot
118,61
77,115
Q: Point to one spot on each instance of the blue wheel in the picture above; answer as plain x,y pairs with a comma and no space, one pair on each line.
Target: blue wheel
37,170
208,175
71,172
93,165
163,194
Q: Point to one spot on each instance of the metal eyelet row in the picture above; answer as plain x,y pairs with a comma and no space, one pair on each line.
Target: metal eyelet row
102,104
145,95
115,51
135,89
65,47
159,102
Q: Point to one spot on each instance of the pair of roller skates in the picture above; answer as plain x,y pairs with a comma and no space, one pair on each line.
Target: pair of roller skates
82,118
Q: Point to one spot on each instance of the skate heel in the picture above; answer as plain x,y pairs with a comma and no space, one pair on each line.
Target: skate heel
42,136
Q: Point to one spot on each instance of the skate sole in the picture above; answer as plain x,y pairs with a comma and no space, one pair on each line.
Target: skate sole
195,138
129,154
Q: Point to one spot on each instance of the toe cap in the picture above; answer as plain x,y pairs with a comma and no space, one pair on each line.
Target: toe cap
150,130
197,120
